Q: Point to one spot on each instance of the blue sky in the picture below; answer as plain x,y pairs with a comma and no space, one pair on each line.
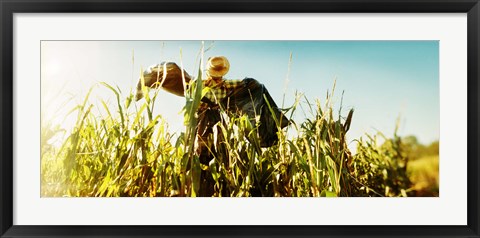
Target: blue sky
381,80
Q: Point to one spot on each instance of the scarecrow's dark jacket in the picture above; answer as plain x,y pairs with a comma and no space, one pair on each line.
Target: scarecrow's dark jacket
254,100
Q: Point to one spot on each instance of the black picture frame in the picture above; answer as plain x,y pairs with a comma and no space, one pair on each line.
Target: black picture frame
9,7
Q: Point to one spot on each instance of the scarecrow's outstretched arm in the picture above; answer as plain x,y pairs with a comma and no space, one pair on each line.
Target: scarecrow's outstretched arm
166,75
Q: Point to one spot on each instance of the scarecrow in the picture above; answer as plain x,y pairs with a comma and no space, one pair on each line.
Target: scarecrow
237,97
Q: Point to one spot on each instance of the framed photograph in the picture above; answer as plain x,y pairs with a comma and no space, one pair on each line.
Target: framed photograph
266,118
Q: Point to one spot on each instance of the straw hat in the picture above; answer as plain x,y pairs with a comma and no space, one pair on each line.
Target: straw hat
218,66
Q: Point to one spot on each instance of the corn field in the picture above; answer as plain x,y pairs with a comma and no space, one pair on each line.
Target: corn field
128,151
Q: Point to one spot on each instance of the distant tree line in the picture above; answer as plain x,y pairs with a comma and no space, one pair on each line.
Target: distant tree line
415,150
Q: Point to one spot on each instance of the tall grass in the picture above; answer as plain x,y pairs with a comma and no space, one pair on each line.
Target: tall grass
380,170
128,151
